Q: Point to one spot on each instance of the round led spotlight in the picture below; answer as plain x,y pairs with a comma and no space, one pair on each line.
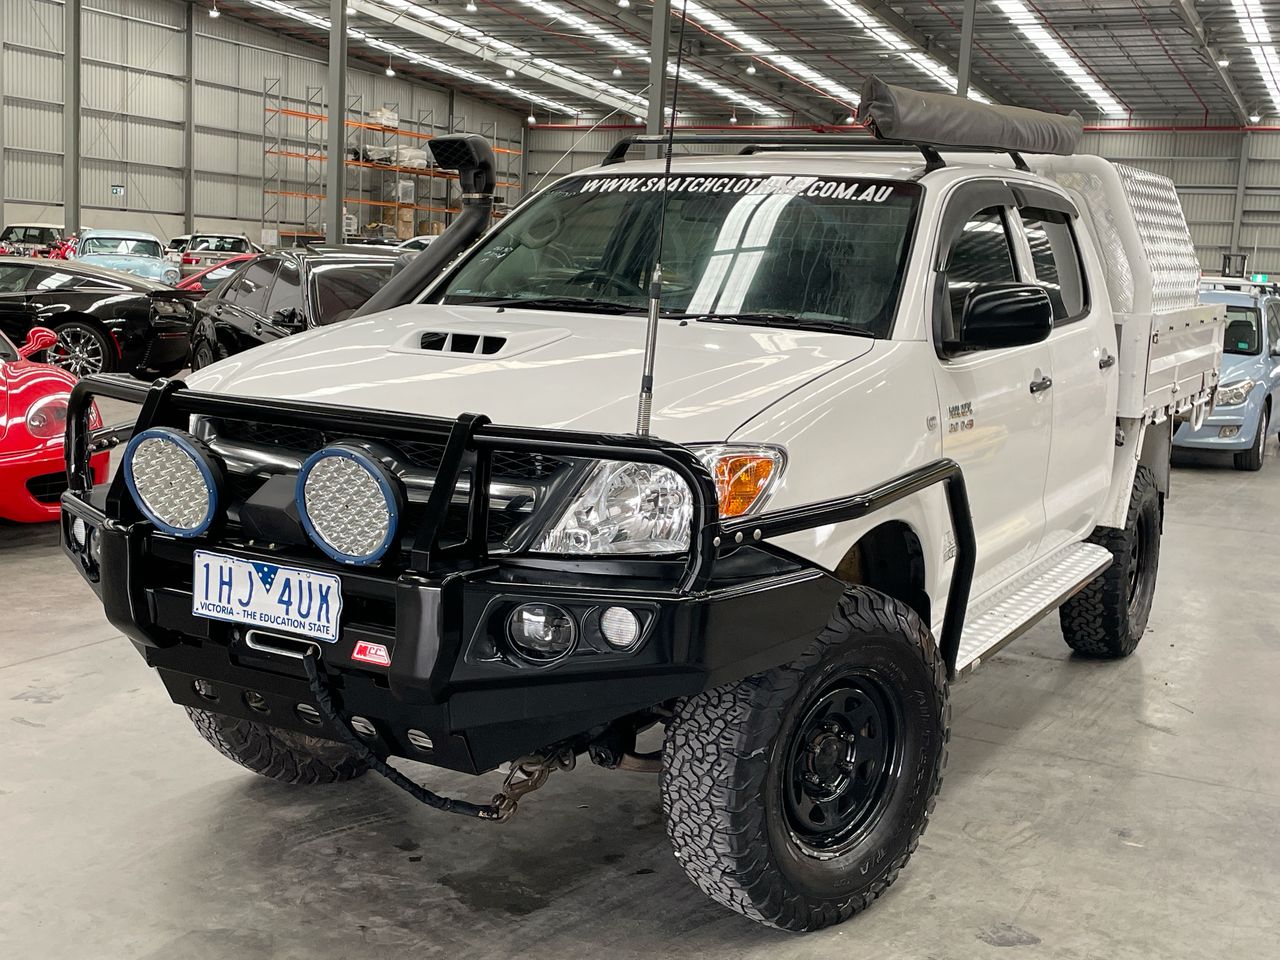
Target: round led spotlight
174,479
541,632
620,627
350,503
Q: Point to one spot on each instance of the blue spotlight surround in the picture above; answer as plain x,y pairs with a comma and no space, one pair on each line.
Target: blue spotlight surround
388,483
209,469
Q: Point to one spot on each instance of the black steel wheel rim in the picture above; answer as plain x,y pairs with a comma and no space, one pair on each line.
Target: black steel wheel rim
841,760
1141,581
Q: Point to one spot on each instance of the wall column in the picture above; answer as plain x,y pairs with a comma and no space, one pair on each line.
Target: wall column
335,163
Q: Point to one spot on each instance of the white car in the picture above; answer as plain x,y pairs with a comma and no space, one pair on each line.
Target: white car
904,403
416,243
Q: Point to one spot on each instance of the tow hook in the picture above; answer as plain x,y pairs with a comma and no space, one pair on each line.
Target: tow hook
526,775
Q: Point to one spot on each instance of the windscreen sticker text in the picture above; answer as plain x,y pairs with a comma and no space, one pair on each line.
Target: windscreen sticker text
774,186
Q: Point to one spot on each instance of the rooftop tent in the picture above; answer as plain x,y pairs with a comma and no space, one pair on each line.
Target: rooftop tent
944,119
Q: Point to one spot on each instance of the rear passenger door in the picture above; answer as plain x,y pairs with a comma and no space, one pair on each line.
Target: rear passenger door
1085,372
992,424
242,307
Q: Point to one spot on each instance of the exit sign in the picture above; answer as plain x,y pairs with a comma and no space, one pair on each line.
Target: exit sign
1259,277
117,189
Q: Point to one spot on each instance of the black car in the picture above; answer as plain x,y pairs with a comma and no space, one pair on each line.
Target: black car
284,293
105,321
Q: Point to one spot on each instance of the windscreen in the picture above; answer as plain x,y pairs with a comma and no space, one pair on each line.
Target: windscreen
44,235
1243,335
219,244
800,251
341,288
128,246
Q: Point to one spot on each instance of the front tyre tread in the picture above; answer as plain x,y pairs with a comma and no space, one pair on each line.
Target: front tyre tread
717,765
281,755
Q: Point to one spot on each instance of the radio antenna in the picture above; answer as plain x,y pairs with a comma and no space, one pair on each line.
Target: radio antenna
645,405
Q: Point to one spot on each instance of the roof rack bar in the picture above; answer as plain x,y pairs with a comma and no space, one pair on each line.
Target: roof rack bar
753,143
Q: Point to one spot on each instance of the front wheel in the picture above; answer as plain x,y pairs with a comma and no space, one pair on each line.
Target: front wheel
275,753
795,796
1252,458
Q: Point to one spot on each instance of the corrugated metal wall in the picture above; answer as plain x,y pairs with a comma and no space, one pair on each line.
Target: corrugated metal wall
133,79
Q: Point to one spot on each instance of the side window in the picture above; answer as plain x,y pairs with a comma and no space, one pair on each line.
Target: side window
249,290
981,253
14,279
1055,258
287,293
1273,326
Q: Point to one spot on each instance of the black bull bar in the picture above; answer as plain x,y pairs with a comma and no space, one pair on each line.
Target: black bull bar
471,440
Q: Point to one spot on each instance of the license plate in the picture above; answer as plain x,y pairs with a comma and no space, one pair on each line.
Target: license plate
266,595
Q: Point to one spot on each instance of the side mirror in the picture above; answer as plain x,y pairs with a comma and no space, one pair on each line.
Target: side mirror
38,339
288,317
1004,315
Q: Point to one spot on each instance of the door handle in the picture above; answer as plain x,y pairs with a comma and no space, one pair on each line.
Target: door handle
1108,360
1039,386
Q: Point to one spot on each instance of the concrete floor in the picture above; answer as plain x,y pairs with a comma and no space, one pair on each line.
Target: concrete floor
1090,810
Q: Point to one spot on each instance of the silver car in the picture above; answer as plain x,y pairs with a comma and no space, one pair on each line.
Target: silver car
205,249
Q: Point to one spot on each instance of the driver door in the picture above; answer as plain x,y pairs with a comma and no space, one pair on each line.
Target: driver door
996,403
241,311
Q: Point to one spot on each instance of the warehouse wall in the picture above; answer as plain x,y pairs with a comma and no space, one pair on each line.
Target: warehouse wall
133,79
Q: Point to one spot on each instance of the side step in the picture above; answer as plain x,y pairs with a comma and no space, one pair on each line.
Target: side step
1020,604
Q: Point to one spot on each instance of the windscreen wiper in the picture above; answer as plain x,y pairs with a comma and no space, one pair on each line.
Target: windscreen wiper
771,320
584,304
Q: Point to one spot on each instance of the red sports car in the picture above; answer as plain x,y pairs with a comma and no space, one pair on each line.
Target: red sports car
33,418
215,273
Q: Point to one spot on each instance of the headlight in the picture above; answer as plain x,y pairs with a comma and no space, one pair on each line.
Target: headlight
349,503
47,418
1233,394
174,480
630,508
171,277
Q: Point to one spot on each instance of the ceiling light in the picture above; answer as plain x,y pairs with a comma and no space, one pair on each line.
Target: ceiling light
617,70
391,71
471,7
1058,56
638,119
751,69
617,42
351,11
730,32
1224,62
1253,24
510,72
1254,117
214,12
624,3
531,118
733,117
900,46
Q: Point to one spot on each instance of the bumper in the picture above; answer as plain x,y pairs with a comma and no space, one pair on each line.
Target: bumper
453,691
32,483
1230,429
451,676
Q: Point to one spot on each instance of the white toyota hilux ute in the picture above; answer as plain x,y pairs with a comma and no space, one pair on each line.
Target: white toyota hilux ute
906,400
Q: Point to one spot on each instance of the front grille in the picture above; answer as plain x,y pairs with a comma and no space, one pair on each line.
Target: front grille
48,487
423,454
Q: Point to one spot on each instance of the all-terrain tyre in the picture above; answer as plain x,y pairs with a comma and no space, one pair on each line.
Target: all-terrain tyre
1108,617
795,796
279,754
1252,458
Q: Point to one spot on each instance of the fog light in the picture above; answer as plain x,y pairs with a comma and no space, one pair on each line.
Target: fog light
541,631
620,627
79,532
1226,433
